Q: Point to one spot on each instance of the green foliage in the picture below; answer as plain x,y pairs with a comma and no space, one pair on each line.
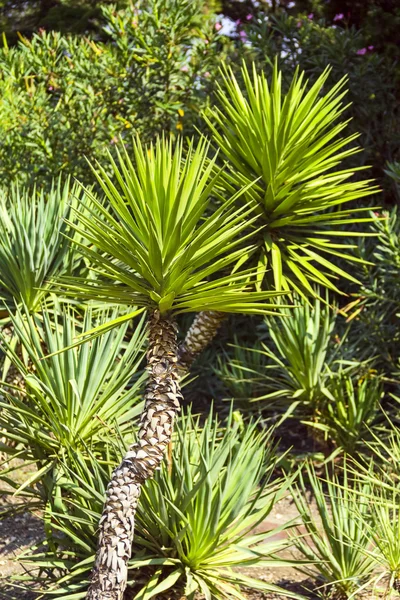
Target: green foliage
158,247
313,44
293,366
381,474
244,374
303,339
290,143
393,170
351,410
374,311
195,519
336,539
65,97
70,400
383,526
33,246
377,20
173,234
303,371
62,15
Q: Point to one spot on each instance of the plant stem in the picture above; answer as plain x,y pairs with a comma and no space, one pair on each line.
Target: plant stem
201,332
162,401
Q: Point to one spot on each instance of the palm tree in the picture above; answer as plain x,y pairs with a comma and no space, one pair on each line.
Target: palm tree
291,145
158,248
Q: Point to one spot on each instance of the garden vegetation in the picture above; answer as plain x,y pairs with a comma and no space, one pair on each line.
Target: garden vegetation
199,276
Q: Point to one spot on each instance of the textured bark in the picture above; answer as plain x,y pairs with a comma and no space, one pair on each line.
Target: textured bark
203,329
162,401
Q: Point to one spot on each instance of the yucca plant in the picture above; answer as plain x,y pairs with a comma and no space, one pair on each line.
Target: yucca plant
71,399
382,474
34,248
384,445
303,339
195,519
291,145
350,410
383,525
336,540
157,248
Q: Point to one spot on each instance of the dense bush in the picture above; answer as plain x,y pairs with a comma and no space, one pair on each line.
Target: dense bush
65,95
66,98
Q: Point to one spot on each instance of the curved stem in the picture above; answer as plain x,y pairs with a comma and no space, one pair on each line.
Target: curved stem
201,332
162,401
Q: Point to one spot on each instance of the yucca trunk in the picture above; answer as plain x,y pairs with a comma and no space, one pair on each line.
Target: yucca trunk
162,401
200,334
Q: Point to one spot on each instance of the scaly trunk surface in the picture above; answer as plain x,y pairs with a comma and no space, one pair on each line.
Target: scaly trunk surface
201,332
162,401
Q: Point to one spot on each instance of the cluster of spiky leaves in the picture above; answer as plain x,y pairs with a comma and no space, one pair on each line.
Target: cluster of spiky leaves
72,399
351,409
304,353
291,144
297,370
33,246
383,522
337,542
155,244
195,519
168,239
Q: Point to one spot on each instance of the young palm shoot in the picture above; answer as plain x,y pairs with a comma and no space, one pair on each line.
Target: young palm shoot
156,248
291,144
